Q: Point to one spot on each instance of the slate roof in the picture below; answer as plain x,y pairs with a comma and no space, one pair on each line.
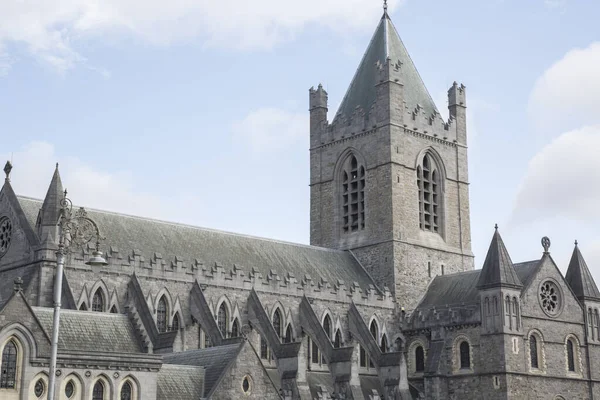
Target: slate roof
214,359
498,270
91,331
7,279
579,277
317,379
461,287
362,92
180,382
148,236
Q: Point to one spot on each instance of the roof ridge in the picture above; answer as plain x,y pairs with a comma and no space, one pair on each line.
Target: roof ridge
184,225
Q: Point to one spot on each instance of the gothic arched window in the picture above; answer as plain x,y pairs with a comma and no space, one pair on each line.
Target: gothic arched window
222,317
264,349
384,344
327,326
8,374
570,355
533,352
353,195
161,315
288,334
98,301
175,323
430,197
465,355
374,330
419,359
98,391
338,339
126,391
277,322
235,328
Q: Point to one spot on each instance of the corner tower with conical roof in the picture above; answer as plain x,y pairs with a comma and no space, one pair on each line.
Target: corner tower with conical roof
389,174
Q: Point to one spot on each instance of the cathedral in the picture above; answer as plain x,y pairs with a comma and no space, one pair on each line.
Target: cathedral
385,303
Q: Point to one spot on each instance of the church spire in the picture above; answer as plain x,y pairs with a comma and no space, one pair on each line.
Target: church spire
579,277
498,269
385,45
50,212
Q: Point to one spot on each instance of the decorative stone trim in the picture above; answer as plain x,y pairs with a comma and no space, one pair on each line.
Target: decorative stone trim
541,352
412,358
578,373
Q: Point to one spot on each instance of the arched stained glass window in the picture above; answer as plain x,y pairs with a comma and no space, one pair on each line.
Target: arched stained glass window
353,195
126,391
222,319
277,325
98,391
419,359
570,355
98,301
235,328
161,315
8,372
533,352
465,355
289,336
428,183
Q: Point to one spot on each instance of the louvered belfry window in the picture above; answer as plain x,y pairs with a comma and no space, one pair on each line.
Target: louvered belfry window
428,182
353,195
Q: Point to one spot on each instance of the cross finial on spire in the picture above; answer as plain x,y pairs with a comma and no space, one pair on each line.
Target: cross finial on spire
576,243
496,226
385,6
7,169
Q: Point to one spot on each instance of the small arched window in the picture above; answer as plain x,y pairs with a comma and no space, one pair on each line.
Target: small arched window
235,328
590,321
222,318
98,391
126,391
83,307
515,313
353,195
288,334
113,310
161,315
314,351
327,326
533,352
384,343
8,374
277,322
98,301
338,339
507,312
175,325
374,330
69,389
419,359
264,349
428,182
465,355
570,355
40,388
597,324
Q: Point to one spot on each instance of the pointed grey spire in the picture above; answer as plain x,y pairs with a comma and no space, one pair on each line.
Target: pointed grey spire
498,270
579,277
50,212
386,43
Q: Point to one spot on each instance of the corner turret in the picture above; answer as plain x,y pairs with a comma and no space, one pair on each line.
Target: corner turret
457,105
580,278
317,100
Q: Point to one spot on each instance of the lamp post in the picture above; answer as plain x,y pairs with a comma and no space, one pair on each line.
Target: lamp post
75,229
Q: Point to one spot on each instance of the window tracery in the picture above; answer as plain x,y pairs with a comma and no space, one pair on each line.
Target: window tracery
550,298
8,372
5,235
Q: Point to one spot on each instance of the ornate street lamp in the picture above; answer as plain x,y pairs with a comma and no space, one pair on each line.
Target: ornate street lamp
76,229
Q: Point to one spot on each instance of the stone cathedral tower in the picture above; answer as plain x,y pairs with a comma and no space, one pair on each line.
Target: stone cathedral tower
388,176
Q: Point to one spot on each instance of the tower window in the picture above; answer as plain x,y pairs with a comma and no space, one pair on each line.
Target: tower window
353,195
428,183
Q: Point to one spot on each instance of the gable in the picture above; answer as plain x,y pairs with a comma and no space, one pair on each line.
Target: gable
18,238
547,271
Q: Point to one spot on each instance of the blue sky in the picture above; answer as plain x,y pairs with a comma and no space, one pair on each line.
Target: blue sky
196,111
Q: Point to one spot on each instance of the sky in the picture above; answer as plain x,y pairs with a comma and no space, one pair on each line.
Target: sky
195,111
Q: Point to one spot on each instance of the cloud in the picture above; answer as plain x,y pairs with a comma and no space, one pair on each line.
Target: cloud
116,191
567,95
50,29
268,129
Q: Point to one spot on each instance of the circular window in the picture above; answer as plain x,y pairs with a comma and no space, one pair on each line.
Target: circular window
550,298
247,385
5,235
40,388
69,389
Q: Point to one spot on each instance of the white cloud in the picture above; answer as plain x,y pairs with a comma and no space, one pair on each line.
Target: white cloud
50,28
567,95
268,129
34,166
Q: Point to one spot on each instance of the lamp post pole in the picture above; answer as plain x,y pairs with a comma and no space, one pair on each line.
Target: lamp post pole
77,229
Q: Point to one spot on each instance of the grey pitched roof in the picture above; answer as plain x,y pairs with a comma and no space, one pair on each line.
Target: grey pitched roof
91,331
579,277
214,359
461,287
181,382
318,379
148,236
498,270
386,43
50,211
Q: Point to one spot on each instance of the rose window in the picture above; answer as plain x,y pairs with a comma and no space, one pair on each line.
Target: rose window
550,298
5,235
